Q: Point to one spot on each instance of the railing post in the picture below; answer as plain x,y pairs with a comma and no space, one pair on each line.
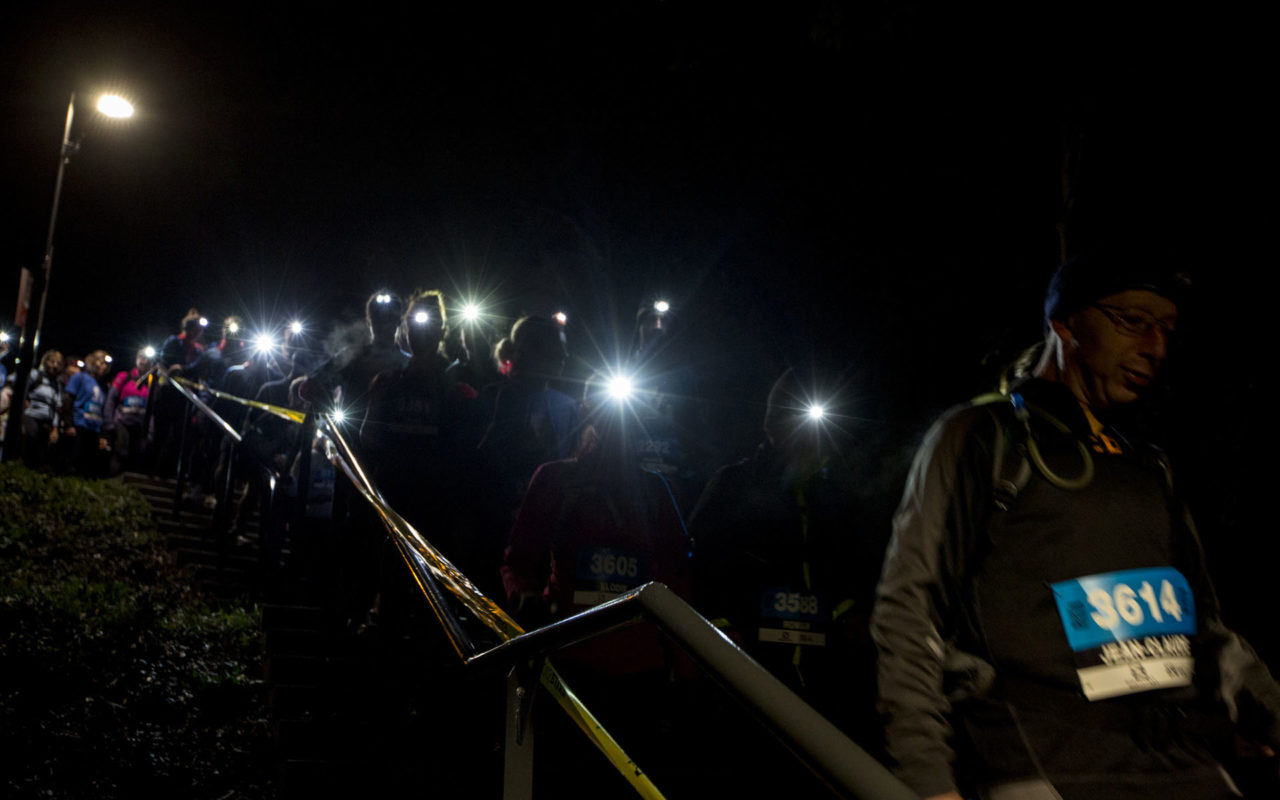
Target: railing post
228,481
517,778
182,447
306,437
268,541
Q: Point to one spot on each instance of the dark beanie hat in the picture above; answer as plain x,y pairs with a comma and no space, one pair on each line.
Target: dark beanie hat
1087,277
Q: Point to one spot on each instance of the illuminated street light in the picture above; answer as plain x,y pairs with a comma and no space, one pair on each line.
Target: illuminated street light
38,281
115,106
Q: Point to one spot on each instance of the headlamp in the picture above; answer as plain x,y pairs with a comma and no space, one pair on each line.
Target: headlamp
149,351
620,387
107,358
339,416
4,337
233,327
816,412
295,327
264,343
561,317
204,322
662,306
470,312
383,298
421,317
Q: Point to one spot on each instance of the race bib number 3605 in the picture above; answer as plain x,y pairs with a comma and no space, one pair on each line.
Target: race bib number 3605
604,573
1130,631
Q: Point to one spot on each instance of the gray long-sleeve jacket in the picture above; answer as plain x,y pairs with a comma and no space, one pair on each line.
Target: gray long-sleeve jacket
967,630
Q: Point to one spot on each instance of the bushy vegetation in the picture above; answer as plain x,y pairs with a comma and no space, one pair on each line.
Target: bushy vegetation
120,680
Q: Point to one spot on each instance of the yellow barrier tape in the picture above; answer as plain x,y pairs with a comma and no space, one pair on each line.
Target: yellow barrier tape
586,721
279,411
485,610
340,455
449,576
845,606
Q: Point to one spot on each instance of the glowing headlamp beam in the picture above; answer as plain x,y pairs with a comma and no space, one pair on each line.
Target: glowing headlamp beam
619,387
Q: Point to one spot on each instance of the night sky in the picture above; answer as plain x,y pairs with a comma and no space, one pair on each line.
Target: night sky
875,184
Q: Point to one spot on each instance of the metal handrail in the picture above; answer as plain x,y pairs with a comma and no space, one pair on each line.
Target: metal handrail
431,570
830,753
824,748
177,383
184,387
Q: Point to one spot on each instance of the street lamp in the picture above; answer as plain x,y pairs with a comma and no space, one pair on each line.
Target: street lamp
109,105
115,106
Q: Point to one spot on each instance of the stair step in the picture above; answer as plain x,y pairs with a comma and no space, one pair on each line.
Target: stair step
296,701
198,519
296,641
323,736
275,615
310,778
314,670
242,560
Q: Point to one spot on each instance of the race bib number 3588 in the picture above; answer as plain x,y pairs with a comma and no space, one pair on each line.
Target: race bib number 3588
1130,631
788,616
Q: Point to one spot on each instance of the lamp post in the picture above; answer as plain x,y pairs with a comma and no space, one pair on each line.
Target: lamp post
109,105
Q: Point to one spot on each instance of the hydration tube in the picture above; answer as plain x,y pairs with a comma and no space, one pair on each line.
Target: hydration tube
1023,412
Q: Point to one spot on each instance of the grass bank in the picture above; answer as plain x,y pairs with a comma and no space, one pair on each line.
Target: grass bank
121,681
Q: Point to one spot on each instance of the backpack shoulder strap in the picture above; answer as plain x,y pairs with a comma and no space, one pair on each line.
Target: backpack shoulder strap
1010,466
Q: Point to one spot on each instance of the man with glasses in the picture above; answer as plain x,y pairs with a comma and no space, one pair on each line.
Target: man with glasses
1045,622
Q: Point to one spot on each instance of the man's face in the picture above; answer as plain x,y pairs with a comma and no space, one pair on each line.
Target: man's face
1114,347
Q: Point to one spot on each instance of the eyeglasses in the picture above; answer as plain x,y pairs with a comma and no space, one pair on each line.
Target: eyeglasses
1135,321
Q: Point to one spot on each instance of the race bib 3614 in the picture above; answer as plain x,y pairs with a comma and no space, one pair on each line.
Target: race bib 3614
1130,631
